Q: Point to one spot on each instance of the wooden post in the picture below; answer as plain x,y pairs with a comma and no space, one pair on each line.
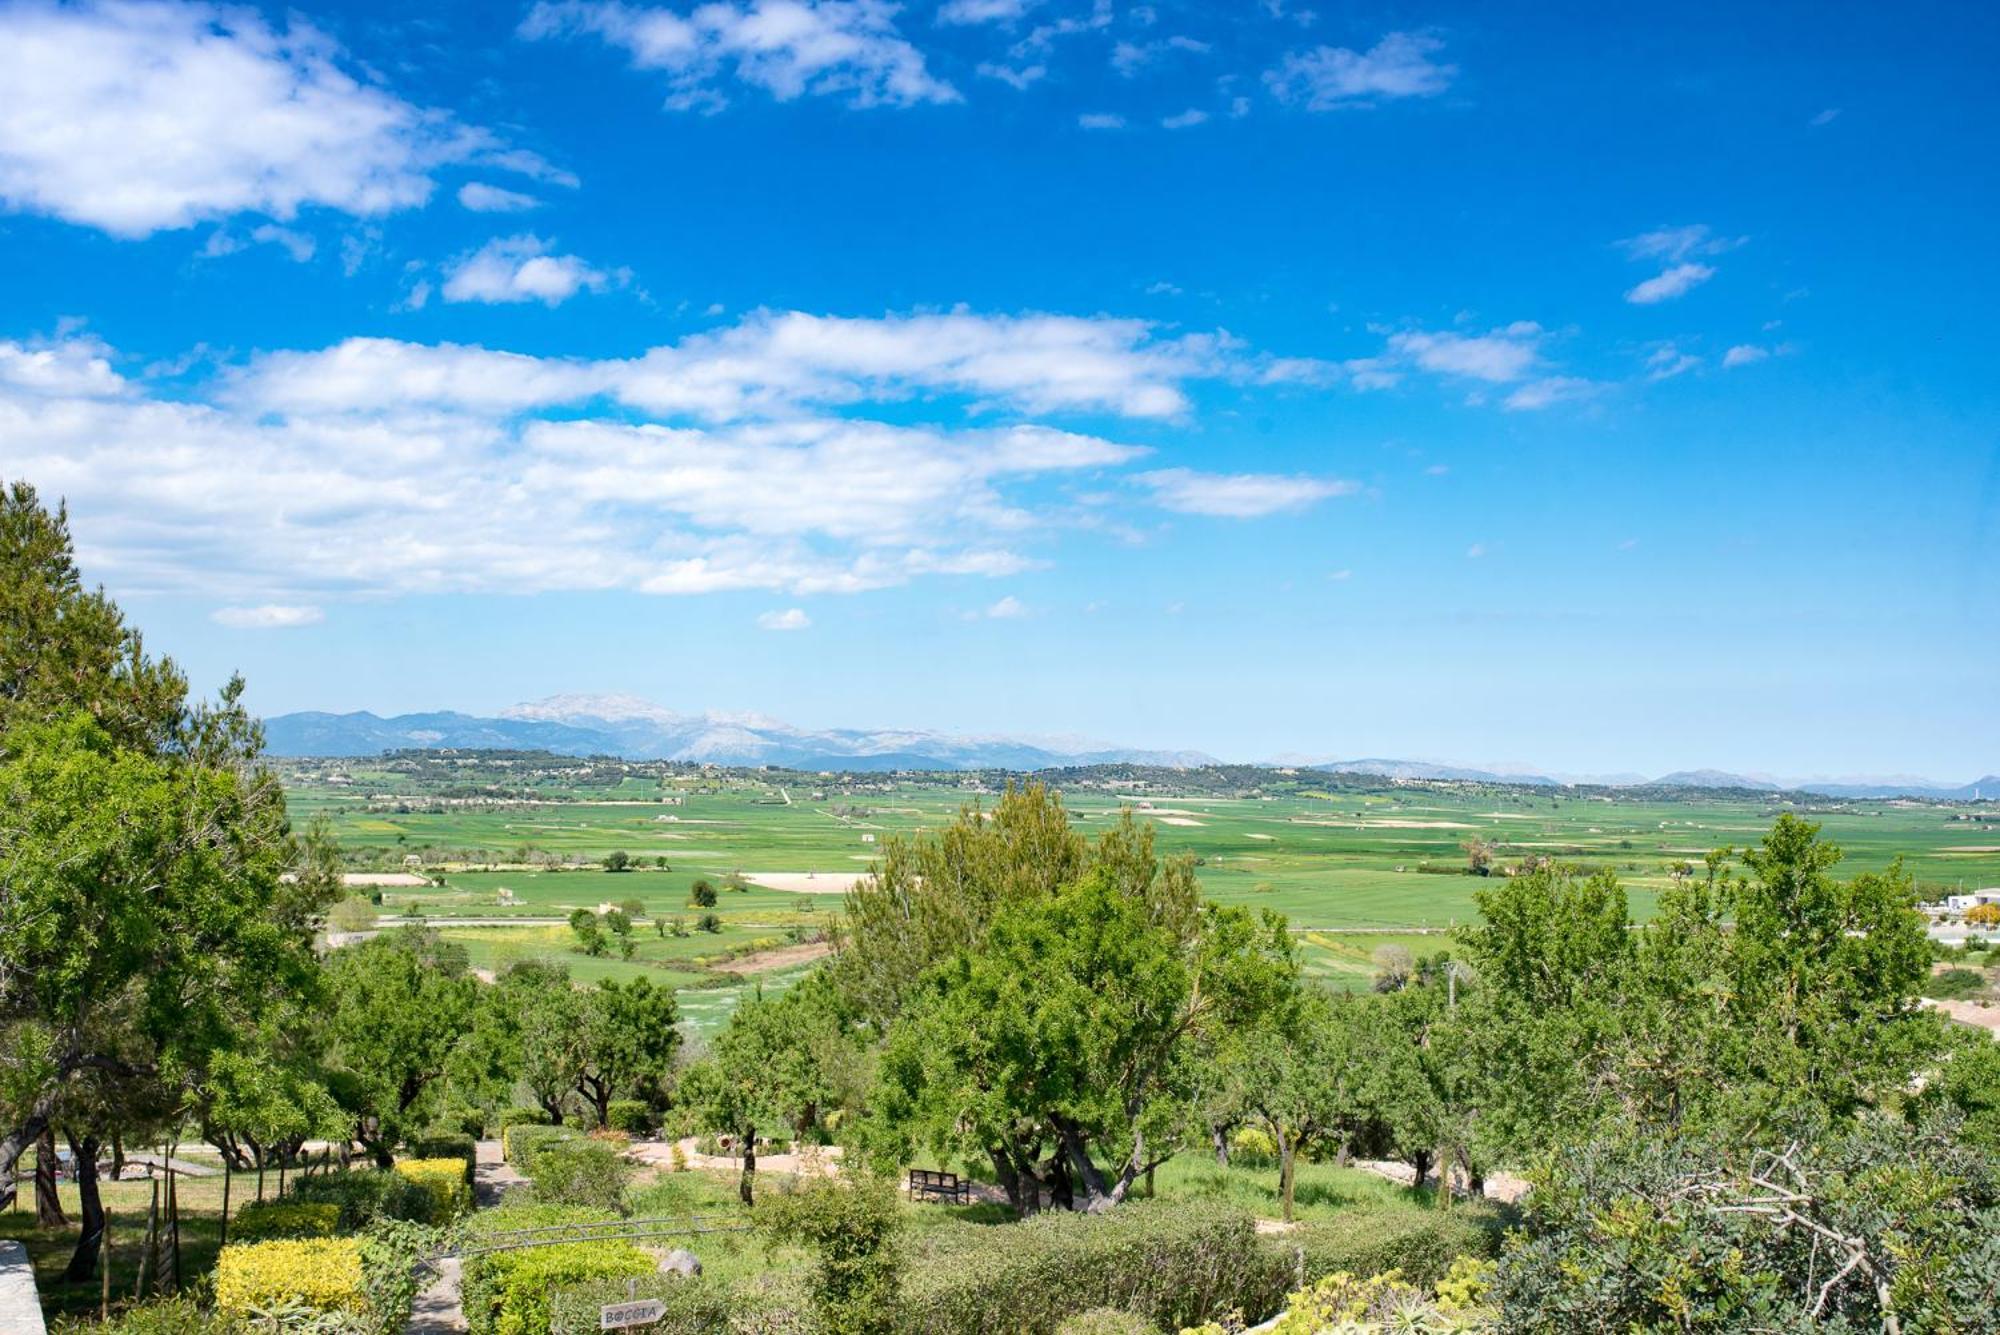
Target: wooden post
223,1239
152,1227
174,1214
260,1177
104,1258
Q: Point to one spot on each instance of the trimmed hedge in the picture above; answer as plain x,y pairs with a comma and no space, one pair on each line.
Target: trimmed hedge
1420,1243
509,1293
695,1305
323,1274
521,1117
631,1116
443,1184
447,1145
577,1171
363,1195
1173,1263
521,1142
262,1221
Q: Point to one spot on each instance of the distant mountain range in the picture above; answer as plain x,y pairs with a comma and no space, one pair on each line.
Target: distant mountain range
636,729
583,725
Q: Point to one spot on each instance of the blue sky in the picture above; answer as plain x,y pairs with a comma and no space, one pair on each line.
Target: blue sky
1599,388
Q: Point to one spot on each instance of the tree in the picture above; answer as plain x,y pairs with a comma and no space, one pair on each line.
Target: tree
399,1006
1306,1075
620,926
1072,1022
629,1039
542,1018
618,860
702,895
1983,915
589,931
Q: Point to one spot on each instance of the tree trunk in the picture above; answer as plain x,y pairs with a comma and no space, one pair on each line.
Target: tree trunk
1345,1155
1420,1162
1444,1177
1009,1180
1288,1153
1221,1139
83,1261
48,1204
746,1186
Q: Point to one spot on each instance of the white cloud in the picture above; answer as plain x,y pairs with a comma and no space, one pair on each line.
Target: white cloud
479,197
1331,77
1675,282
1824,118
1239,495
1008,608
1101,120
269,616
1128,58
1505,354
1674,244
70,367
1018,79
140,117
1667,361
296,244
982,11
1546,392
1744,354
1191,117
1475,551
789,48
520,268
791,618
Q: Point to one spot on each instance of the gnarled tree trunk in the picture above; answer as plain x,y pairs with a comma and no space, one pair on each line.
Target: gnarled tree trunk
83,1261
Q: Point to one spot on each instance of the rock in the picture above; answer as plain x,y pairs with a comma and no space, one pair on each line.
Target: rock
680,1261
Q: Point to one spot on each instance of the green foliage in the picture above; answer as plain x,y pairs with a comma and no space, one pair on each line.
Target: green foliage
511,1292
1955,984
627,1043
1869,1226
1383,1303
850,1226
524,1140
695,1305
390,1252
448,1145
617,860
1419,1245
160,1316
1173,1263
512,1117
702,895
633,1117
588,930
1106,1321
363,1196
323,1274
264,1220
578,1171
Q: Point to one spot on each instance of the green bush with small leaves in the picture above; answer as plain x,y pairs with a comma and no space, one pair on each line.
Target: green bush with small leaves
631,1116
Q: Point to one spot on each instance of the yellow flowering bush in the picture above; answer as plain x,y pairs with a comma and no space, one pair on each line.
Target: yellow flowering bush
1346,1304
443,1180
284,1219
323,1274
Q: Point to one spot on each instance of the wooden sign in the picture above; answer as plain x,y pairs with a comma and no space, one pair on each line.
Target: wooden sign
644,1312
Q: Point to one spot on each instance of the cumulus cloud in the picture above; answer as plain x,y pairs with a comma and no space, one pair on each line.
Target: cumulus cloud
1239,495
791,618
982,11
268,616
790,48
1744,354
479,197
381,467
1502,355
1007,608
141,117
1667,361
1331,77
1191,117
1547,392
1020,80
1678,281
520,268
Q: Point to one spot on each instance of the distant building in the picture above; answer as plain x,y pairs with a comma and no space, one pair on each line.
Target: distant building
1960,903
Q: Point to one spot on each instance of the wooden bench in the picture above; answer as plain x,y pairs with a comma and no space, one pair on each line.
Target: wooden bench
929,1185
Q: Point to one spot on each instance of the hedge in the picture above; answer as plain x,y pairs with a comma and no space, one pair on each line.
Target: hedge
1107,1321
576,1171
509,1293
447,1145
1174,1263
521,1117
323,1274
695,1305
1420,1243
363,1195
442,1181
630,1116
520,1143
264,1220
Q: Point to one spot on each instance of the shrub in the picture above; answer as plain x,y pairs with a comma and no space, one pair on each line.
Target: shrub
463,1121
1175,1263
1106,1321
630,1116
448,1145
1388,1302
1418,1244
851,1227
1955,984
520,1142
443,1184
323,1274
161,1316
696,1305
509,1293
522,1117
264,1220
579,1172
363,1195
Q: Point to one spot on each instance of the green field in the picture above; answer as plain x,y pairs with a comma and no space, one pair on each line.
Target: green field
1351,868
